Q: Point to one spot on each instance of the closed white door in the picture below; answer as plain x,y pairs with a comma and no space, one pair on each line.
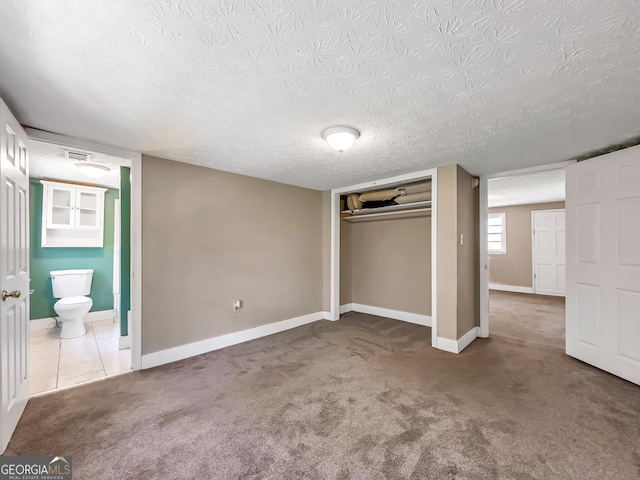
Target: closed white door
14,273
549,252
603,262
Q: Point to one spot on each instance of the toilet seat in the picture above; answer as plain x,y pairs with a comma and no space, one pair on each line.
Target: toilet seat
79,300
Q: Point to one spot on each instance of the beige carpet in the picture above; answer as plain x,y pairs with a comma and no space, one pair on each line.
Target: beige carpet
362,398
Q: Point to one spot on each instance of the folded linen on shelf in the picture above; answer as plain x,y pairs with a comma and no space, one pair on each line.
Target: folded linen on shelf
417,188
353,202
378,195
414,197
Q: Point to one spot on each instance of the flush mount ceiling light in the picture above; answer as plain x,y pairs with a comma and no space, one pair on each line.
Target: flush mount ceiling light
90,169
340,138
93,170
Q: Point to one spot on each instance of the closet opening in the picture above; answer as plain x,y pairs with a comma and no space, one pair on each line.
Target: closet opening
384,249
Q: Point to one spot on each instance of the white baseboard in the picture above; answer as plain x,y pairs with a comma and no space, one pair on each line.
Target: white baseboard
50,322
42,323
418,319
456,346
124,343
347,307
510,288
98,316
197,348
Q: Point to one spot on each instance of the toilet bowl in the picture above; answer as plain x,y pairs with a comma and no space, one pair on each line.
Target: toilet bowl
72,311
72,287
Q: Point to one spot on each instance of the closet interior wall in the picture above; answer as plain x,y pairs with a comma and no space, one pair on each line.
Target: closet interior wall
385,262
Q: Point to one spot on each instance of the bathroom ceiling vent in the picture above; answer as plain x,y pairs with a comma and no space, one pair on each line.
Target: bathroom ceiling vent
83,157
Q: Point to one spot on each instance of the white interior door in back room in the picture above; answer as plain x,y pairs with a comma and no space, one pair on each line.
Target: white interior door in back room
549,252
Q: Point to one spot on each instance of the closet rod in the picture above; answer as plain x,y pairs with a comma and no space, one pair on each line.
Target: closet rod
417,212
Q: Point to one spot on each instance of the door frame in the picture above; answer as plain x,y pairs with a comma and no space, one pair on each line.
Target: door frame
334,313
533,249
484,248
135,318
116,260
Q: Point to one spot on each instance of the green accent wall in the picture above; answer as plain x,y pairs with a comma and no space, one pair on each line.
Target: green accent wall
44,260
125,248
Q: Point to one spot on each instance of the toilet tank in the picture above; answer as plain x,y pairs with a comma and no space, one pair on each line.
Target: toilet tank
71,283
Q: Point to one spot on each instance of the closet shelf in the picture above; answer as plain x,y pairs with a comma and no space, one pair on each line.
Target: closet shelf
417,209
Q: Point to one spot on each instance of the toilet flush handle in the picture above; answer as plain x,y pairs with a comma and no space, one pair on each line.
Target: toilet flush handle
14,294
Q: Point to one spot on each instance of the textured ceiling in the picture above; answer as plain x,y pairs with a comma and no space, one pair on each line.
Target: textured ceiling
538,187
248,85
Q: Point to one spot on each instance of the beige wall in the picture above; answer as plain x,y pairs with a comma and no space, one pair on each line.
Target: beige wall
458,275
389,264
447,253
515,267
210,237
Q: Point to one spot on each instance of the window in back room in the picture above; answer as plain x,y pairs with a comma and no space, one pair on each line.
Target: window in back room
496,231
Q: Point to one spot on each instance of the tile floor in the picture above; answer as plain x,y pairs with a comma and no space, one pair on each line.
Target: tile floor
59,363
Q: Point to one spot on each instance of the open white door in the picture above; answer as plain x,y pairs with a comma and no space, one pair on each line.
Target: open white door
603,262
116,260
14,273
549,262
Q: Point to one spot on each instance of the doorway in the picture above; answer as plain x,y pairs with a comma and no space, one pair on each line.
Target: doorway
65,236
15,269
522,234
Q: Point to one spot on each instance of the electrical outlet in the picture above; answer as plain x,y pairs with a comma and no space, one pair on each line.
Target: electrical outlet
237,305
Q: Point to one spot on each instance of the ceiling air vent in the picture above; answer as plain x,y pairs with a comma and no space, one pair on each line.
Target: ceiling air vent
83,157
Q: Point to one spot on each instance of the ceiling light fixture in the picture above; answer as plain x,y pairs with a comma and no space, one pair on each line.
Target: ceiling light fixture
90,169
340,138
93,170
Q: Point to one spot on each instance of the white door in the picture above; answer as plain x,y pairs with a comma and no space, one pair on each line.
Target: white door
14,273
603,262
549,262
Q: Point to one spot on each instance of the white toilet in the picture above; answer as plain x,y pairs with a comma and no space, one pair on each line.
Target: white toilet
72,288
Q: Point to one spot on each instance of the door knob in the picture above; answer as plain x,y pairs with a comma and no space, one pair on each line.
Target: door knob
14,294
